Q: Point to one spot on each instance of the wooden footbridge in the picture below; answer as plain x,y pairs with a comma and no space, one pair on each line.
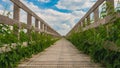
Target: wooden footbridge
62,54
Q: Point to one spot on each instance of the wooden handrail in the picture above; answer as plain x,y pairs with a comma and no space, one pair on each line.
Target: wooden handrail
16,16
94,9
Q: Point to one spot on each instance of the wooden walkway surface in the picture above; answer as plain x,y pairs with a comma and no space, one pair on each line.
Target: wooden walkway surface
60,55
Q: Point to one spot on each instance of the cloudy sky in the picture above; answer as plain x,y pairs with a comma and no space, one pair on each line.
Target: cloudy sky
61,15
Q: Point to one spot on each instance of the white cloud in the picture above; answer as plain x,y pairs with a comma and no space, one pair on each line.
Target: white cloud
54,18
74,4
46,1
61,22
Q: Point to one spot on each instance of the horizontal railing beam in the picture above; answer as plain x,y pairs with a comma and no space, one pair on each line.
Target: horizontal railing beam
25,8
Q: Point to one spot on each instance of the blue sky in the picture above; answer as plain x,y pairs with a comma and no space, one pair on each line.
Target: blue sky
61,15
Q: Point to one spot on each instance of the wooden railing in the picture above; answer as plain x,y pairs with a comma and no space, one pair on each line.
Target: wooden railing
40,24
85,23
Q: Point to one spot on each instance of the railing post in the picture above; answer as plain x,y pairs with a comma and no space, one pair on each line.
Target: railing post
96,15
43,27
29,22
36,24
78,25
81,24
16,13
84,23
40,25
88,20
46,28
16,16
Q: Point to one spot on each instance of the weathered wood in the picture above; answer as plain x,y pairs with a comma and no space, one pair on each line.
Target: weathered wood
84,23
29,19
11,22
45,28
16,12
104,21
25,8
96,5
29,22
81,24
88,20
96,15
8,21
93,8
16,16
60,55
41,25
36,23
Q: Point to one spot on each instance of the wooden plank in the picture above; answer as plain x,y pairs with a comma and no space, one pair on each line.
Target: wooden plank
8,21
60,55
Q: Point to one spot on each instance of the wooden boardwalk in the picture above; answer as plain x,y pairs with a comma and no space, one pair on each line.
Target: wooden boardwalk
60,55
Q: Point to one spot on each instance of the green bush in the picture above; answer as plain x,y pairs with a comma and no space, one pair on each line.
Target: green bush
37,42
92,42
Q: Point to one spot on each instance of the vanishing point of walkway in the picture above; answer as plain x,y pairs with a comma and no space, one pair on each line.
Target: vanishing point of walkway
60,55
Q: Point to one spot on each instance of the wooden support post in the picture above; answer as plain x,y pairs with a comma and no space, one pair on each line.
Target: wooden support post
16,16
50,30
29,19
16,13
46,29
81,24
36,24
41,25
96,14
29,22
78,27
84,25
88,20
42,28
